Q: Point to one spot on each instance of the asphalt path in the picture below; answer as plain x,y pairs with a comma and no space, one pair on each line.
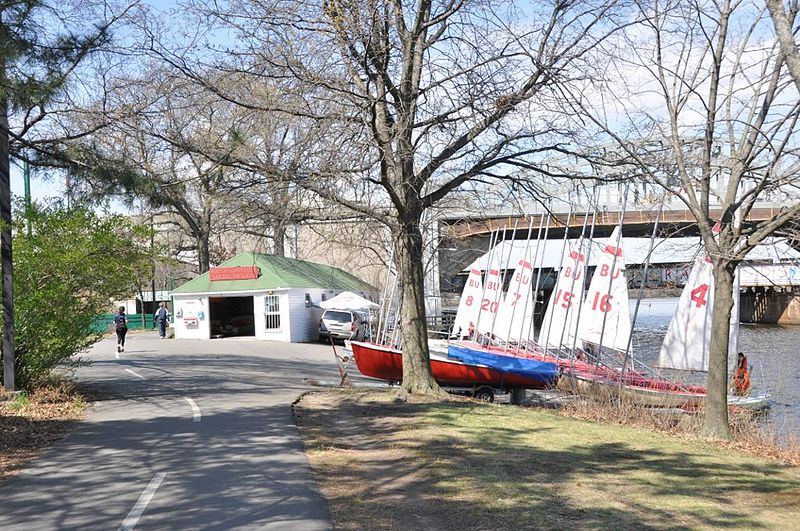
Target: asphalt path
187,435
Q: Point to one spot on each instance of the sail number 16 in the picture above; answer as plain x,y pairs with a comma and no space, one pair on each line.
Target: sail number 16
604,302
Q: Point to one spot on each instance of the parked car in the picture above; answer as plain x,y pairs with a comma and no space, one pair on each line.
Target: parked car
342,324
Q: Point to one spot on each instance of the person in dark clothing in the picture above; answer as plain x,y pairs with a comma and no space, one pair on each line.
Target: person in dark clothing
121,326
162,319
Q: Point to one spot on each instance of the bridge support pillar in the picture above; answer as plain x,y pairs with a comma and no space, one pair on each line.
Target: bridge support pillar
766,305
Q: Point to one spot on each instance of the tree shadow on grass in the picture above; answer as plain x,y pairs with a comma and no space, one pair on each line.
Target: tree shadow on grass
482,477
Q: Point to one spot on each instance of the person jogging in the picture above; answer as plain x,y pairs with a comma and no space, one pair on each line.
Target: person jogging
121,326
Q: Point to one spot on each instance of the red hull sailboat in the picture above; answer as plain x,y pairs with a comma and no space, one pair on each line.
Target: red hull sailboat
386,363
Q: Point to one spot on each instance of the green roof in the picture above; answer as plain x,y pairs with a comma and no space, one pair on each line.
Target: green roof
277,272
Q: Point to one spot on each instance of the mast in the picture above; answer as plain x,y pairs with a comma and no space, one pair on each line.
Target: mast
641,286
613,266
574,347
540,257
546,326
513,295
492,243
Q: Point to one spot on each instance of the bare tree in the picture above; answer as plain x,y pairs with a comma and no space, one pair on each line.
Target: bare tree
784,21
701,92
168,152
415,99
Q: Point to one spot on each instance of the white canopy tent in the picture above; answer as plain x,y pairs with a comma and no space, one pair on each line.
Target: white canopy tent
347,300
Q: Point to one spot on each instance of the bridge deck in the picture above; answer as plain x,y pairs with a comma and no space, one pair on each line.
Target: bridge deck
636,222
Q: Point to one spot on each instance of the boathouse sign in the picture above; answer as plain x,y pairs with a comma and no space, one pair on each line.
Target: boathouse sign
234,273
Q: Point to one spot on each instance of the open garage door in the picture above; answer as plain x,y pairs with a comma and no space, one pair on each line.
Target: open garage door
231,316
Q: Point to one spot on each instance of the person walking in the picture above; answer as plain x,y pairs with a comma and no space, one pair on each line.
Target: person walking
161,318
121,326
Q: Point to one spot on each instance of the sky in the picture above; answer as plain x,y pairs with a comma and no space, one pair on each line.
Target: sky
40,189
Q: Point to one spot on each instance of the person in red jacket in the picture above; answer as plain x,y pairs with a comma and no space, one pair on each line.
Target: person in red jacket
741,377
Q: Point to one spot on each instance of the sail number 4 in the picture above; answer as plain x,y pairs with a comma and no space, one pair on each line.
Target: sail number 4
698,295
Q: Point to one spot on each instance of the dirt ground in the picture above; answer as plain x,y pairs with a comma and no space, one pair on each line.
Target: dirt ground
371,452
30,426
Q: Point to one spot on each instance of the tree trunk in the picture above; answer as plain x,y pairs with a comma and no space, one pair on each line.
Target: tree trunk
783,28
278,240
716,411
203,258
5,250
417,376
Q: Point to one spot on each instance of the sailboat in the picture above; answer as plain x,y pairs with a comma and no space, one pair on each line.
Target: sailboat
559,327
687,341
466,363
605,329
504,328
605,322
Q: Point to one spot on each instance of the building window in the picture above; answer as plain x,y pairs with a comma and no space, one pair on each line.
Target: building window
272,312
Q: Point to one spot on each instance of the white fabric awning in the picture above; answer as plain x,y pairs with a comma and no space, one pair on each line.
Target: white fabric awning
347,300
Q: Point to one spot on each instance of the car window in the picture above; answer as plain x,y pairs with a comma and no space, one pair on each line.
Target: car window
339,317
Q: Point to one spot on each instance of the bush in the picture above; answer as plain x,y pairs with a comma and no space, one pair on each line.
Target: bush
68,270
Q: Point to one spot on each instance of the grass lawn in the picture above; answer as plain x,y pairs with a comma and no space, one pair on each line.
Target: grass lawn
434,465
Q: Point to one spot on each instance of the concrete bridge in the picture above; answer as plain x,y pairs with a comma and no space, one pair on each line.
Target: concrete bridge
637,222
770,280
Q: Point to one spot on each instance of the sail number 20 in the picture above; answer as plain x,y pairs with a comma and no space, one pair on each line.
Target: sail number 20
486,304
698,295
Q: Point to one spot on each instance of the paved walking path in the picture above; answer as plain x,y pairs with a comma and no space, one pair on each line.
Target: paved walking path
190,434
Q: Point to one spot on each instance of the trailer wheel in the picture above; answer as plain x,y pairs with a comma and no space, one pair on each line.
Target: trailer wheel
484,394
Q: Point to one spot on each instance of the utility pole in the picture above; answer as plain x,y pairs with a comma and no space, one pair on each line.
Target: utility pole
26,174
153,275
6,285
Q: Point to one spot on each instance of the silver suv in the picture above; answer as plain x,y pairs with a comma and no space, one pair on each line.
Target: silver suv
342,324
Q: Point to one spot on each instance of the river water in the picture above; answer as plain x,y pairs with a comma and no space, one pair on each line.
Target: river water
772,350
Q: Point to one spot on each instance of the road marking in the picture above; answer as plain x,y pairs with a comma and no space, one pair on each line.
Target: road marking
116,354
135,374
149,491
195,409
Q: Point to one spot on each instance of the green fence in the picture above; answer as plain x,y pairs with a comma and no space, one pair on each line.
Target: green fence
105,322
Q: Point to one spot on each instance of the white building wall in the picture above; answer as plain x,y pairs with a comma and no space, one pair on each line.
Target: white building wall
191,317
299,321
305,317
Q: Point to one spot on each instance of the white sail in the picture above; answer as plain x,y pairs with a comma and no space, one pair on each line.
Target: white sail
605,313
561,317
489,302
688,337
515,316
469,305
